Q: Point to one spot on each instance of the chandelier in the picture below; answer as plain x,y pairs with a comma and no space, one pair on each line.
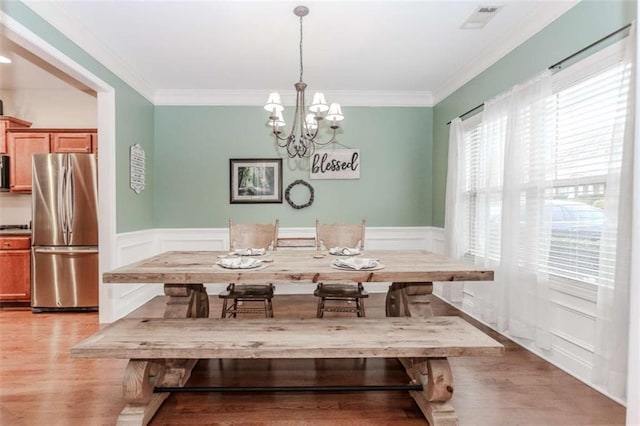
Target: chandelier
301,142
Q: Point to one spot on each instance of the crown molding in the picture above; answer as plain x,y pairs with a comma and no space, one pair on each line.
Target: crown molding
54,14
520,33
259,97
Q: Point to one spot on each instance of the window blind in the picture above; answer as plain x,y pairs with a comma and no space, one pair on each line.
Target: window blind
587,108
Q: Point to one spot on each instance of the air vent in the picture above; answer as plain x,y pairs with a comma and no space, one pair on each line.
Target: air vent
480,17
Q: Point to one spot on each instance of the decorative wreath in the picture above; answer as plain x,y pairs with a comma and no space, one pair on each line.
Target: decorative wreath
288,191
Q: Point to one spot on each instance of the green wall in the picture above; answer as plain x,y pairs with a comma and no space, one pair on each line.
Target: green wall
134,120
580,26
194,145
404,150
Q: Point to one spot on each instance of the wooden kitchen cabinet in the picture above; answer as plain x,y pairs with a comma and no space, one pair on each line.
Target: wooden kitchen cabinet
72,142
15,264
7,122
22,145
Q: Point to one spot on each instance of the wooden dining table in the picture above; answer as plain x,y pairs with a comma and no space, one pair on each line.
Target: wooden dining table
411,274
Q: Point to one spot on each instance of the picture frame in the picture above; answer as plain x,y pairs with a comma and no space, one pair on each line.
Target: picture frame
255,180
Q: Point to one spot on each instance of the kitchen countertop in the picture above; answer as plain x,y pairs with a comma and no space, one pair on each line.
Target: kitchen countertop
5,232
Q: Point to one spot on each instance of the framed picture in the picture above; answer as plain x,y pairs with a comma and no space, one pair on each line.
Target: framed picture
256,180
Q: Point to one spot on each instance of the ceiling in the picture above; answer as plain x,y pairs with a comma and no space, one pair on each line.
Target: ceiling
358,52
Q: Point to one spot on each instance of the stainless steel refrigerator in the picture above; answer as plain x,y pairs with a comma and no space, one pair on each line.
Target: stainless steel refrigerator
64,232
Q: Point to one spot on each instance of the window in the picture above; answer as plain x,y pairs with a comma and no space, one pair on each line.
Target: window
587,105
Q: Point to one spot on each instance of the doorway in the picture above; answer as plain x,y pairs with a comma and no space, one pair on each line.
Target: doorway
105,95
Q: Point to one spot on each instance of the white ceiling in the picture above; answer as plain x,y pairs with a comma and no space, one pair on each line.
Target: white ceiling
359,52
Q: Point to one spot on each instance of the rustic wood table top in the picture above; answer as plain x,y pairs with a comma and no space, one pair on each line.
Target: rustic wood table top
192,267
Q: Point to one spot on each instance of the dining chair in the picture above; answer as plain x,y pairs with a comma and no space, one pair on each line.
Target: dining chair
244,297
340,297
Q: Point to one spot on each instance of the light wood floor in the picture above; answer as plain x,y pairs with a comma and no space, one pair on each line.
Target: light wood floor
41,385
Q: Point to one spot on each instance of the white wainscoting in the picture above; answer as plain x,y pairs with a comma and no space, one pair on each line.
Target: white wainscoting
124,298
134,246
573,310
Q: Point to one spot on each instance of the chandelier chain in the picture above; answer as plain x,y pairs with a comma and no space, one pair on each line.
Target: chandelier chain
301,66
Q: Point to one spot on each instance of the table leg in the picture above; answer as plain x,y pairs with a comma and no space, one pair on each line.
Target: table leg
186,301
413,299
409,299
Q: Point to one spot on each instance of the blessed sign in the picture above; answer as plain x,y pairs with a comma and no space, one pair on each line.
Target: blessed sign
335,164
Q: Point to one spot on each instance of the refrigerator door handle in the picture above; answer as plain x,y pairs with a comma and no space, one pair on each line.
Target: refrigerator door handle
70,197
62,177
75,250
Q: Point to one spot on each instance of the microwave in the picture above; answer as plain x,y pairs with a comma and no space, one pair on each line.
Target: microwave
4,173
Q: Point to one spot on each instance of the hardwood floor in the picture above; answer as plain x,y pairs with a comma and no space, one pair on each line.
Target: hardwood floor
41,385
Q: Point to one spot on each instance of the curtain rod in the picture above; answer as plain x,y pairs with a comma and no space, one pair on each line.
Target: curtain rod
468,112
559,63
595,43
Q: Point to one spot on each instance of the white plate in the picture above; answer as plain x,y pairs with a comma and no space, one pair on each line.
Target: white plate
240,263
345,268
356,264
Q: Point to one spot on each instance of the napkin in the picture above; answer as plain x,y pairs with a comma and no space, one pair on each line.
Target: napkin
356,263
249,252
344,251
239,263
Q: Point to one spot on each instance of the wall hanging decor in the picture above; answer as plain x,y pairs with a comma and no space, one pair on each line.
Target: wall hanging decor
255,180
287,194
335,164
137,168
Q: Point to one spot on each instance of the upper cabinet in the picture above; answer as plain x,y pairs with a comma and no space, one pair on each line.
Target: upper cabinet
7,122
21,147
72,142
23,143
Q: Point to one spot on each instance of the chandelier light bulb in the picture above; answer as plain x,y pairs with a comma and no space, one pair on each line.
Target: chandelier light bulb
274,103
335,113
319,103
277,120
311,122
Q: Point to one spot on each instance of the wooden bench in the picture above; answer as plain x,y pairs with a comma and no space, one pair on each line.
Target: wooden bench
155,346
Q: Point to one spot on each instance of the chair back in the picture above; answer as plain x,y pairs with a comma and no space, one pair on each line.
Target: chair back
253,235
339,235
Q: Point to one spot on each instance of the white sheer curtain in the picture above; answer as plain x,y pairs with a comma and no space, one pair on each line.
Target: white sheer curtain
455,204
518,139
612,316
501,198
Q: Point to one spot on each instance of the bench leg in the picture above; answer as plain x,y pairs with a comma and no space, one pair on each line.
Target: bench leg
413,299
435,376
139,380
